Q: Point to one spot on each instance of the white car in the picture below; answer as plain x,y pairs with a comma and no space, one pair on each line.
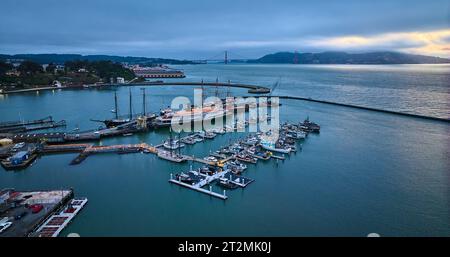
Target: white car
19,145
5,226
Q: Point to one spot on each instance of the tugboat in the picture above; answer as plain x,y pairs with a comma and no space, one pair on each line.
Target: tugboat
310,126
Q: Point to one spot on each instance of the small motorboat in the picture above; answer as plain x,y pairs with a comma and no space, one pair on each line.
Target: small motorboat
226,183
246,158
210,135
188,140
210,159
173,144
235,167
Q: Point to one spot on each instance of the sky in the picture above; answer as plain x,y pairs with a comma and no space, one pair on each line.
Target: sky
201,29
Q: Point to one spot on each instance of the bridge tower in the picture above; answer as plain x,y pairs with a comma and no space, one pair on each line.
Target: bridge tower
226,57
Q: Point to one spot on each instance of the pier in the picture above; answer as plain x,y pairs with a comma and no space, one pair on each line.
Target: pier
363,108
39,208
252,89
198,186
53,226
128,148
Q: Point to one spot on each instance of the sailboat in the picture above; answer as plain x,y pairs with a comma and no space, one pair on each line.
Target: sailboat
117,121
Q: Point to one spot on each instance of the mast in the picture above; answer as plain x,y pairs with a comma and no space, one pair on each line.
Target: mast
179,144
170,142
131,110
115,105
143,100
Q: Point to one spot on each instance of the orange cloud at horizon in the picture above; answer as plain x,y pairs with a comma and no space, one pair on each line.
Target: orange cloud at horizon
435,43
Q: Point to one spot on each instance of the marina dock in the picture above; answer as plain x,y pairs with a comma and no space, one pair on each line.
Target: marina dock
198,186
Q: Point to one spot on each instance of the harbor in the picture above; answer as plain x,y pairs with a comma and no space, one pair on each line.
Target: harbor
209,120
223,166
338,159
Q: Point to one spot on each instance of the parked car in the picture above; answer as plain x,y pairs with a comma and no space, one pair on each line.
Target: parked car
19,145
5,226
21,215
36,208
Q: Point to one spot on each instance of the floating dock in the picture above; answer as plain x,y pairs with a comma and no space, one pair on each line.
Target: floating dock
198,186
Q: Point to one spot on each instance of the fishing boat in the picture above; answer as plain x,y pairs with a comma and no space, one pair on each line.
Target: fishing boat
310,126
170,156
296,134
273,148
209,170
235,167
251,141
188,177
262,155
246,158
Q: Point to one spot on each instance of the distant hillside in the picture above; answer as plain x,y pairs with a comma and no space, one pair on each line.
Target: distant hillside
346,58
62,58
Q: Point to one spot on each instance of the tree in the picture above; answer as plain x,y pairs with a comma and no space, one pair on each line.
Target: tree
29,67
4,67
50,68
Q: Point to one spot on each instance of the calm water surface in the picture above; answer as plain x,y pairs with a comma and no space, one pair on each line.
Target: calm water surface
366,172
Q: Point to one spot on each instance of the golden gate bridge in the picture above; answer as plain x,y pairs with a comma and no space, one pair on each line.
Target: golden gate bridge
226,57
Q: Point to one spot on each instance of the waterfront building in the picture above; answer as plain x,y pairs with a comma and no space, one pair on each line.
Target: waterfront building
157,72
120,80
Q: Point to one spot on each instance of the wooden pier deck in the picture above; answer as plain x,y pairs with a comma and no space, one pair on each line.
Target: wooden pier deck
53,226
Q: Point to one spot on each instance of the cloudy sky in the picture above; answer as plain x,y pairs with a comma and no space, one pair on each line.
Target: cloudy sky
201,29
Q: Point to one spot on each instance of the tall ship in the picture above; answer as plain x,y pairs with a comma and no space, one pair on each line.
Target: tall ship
194,114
